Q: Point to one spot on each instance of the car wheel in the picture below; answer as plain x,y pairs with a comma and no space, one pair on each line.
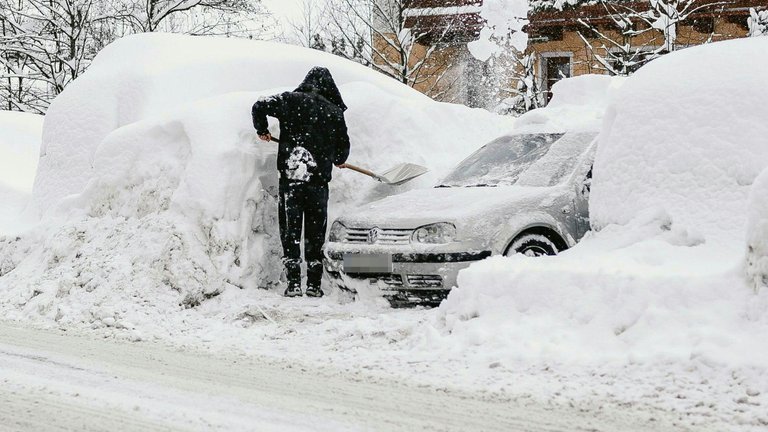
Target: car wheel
532,245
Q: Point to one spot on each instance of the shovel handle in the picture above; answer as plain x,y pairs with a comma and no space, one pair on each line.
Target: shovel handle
349,166
360,170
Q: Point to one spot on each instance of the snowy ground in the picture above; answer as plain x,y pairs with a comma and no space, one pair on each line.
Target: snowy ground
68,382
91,384
647,324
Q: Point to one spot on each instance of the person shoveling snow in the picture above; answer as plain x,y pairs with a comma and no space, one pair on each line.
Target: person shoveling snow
313,138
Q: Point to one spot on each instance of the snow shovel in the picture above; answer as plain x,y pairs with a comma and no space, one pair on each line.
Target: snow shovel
395,176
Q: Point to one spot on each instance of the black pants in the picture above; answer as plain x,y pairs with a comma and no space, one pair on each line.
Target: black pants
303,204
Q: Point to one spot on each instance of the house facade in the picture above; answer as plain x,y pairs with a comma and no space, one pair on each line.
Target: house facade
439,61
577,38
619,36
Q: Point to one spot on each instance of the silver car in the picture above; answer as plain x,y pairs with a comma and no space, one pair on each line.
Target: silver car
522,193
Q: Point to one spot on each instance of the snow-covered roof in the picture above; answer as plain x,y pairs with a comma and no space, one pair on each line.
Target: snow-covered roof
438,11
561,5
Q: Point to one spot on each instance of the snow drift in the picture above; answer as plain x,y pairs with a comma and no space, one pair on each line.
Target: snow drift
578,104
687,142
159,194
662,278
143,76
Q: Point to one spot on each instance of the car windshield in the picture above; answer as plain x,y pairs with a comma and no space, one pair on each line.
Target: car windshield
500,162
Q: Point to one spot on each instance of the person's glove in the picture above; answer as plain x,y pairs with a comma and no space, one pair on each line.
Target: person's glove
266,137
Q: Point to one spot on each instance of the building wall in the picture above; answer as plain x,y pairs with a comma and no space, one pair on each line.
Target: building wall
583,54
583,61
442,75
445,27
453,75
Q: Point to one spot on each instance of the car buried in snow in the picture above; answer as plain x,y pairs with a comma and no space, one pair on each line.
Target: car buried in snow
523,193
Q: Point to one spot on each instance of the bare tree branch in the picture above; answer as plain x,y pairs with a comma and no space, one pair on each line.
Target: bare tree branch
380,34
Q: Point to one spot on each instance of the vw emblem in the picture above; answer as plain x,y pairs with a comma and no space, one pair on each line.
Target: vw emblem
373,235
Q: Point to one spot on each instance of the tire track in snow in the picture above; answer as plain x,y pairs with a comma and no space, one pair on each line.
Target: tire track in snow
35,410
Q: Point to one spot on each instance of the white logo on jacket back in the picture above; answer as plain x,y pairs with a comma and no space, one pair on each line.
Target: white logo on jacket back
300,164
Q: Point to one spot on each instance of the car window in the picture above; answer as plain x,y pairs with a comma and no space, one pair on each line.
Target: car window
501,161
559,162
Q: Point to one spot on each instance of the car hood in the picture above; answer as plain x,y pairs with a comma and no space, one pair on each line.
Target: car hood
460,205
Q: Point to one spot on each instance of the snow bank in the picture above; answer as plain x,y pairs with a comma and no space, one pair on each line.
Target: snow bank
20,136
578,103
174,215
631,294
662,280
684,139
176,205
142,76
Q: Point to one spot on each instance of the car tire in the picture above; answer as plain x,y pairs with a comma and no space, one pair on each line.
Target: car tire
532,245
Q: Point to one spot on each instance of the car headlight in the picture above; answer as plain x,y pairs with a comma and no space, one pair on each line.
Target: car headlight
338,232
438,233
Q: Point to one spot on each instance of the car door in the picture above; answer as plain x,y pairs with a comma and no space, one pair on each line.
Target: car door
582,186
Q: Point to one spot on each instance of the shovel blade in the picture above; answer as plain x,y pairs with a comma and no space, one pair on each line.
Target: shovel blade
402,173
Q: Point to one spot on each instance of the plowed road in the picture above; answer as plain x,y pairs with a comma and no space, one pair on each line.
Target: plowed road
50,381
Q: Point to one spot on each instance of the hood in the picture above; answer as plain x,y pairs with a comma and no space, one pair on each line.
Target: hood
320,81
457,204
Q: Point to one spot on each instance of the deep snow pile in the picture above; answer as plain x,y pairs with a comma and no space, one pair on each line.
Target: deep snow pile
20,135
663,278
578,104
143,76
682,140
175,202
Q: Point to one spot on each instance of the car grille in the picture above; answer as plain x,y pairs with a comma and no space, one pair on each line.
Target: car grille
389,279
386,236
393,280
425,281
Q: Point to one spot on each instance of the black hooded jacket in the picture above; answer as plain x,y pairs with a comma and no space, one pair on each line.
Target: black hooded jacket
313,133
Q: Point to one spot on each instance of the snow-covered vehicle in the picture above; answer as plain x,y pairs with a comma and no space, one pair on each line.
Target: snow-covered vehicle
521,193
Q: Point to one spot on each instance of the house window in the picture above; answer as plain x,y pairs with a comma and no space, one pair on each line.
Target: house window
740,20
555,69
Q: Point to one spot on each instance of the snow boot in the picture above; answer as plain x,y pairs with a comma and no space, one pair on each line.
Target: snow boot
293,291
293,276
314,292
314,276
